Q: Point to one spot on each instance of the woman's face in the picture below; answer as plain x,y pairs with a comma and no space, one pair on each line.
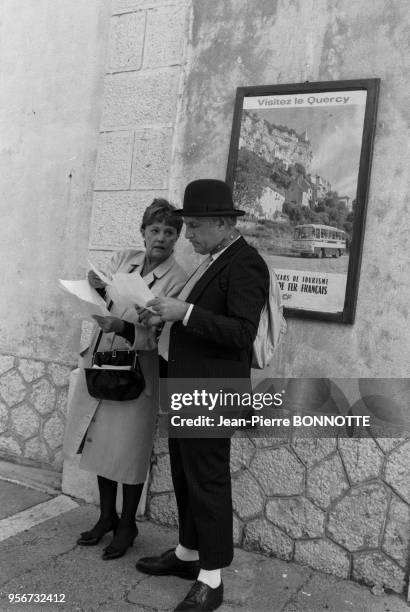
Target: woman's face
160,240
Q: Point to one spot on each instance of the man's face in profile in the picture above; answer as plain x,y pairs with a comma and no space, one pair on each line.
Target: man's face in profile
204,233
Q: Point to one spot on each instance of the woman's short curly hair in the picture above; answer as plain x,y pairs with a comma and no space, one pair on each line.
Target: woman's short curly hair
160,210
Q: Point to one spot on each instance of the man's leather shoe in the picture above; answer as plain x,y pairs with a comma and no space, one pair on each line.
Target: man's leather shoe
202,597
168,564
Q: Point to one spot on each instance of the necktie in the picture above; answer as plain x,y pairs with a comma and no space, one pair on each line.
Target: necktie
163,342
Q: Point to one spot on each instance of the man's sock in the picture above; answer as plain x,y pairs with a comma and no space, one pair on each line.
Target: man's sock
186,554
210,577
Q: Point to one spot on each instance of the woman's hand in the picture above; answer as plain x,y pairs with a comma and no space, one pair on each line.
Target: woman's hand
110,324
95,281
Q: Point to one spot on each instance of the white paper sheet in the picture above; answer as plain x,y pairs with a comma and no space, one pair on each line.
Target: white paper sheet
126,289
131,289
85,299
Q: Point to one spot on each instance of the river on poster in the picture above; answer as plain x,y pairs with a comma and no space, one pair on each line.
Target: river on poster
296,178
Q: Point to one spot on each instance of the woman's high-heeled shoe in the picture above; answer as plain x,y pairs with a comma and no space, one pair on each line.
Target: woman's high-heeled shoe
103,526
123,539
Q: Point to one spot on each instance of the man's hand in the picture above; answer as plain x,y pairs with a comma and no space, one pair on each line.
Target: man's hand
169,309
110,324
95,281
148,319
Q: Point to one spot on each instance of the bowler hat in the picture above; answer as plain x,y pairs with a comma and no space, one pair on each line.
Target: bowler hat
208,198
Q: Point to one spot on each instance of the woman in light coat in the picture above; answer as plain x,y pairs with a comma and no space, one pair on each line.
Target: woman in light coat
115,438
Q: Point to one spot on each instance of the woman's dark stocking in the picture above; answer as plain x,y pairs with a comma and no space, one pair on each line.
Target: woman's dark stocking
108,520
127,530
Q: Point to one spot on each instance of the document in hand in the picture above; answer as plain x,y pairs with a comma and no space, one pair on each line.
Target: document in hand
86,300
126,290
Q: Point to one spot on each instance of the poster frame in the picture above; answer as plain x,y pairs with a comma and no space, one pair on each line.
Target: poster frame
371,86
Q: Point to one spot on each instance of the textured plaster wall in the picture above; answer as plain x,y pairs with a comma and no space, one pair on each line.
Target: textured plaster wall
52,59
341,506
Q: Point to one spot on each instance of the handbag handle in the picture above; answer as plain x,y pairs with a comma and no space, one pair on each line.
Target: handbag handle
100,334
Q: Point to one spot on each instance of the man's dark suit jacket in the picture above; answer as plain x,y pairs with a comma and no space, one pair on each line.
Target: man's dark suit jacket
228,299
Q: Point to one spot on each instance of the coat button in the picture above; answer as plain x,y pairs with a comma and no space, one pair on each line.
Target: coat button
89,439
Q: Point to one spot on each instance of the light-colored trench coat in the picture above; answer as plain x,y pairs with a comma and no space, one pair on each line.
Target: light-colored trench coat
119,435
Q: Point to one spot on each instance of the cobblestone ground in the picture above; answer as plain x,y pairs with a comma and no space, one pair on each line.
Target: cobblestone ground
45,559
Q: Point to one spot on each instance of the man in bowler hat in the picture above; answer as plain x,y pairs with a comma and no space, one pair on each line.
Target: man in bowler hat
208,333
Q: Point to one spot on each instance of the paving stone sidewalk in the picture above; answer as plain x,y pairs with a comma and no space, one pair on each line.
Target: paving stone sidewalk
45,559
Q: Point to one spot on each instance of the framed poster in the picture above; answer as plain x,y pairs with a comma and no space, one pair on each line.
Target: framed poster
299,165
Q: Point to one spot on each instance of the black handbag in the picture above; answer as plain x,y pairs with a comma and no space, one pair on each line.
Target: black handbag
114,384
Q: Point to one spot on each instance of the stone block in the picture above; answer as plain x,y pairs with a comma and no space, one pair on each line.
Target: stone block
6,363
125,6
278,471
126,41
114,161
9,446
324,556
311,451
61,402
296,516
387,444
165,36
4,417
237,530
396,541
242,451
36,449
247,498
60,374
24,421
163,509
326,481
43,396
139,100
122,6
31,369
264,537
152,156
117,218
397,470
362,458
54,431
12,387
357,520
374,568
161,481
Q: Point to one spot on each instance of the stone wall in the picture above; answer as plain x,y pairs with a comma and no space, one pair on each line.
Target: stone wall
140,103
32,410
340,506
